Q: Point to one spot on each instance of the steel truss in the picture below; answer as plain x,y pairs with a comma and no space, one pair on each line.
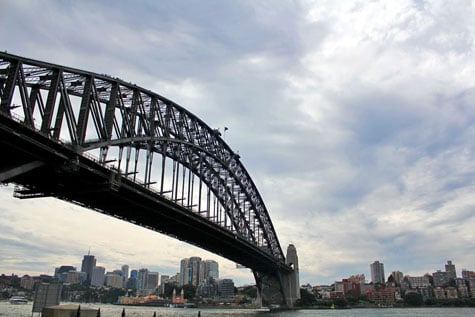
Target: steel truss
144,136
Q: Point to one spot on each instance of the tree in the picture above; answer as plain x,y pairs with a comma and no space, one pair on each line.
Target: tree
413,299
249,291
189,291
111,295
306,298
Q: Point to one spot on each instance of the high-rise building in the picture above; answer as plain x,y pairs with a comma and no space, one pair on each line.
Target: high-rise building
468,276
152,280
163,280
450,270
194,271
147,281
190,271
184,268
142,279
397,278
377,272
418,281
125,275
88,264
113,280
134,273
132,281
98,276
440,278
208,269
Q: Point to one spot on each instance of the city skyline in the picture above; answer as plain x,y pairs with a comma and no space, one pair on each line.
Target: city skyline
354,120
377,266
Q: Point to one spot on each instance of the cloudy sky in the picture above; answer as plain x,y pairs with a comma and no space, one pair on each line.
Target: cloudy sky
355,119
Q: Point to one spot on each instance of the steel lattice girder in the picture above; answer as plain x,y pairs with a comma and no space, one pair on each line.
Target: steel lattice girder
124,114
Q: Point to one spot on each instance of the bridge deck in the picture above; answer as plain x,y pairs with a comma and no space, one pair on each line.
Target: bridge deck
78,179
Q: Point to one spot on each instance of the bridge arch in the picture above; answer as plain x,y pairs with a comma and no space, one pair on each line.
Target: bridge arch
140,136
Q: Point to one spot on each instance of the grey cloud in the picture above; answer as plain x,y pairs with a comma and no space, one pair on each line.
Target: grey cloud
355,121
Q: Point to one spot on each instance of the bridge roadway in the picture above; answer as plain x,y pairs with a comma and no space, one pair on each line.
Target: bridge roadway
45,167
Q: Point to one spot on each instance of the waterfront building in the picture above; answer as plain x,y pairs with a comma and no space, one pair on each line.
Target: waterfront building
382,296
88,264
98,276
350,287
451,293
27,282
364,288
338,286
324,290
426,292
226,289
439,293
377,272
336,294
462,291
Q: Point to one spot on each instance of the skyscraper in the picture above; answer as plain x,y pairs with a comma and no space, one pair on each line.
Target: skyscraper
194,271
209,269
98,276
377,272
142,279
125,275
184,263
152,280
163,280
450,270
88,264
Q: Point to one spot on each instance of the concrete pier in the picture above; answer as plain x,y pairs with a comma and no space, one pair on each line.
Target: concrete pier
281,289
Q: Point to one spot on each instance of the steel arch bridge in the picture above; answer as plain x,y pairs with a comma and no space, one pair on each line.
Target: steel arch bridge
125,151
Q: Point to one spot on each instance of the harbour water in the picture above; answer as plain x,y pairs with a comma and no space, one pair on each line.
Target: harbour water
6,309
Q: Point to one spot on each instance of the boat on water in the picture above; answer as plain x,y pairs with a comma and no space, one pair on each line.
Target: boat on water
18,300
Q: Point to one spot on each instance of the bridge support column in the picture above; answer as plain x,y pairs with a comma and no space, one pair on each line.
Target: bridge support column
282,288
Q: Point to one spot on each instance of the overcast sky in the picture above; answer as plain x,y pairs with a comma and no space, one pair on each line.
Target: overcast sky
355,119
